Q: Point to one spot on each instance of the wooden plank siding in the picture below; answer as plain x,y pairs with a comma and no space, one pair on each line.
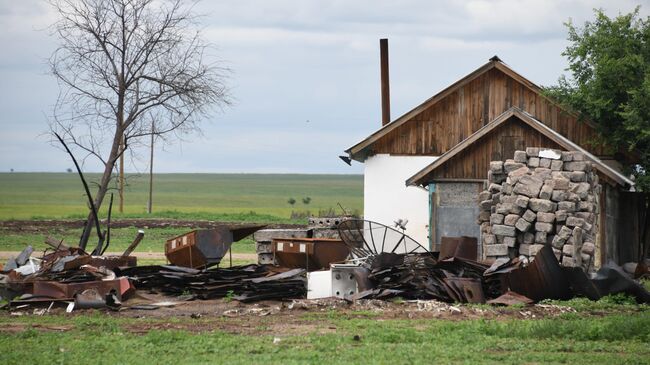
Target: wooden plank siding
499,145
449,121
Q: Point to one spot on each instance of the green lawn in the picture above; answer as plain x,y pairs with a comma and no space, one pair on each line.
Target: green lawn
103,339
234,197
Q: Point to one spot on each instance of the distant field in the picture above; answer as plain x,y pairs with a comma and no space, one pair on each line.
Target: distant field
252,197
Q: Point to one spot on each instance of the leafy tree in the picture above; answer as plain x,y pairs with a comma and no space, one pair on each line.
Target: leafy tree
291,201
609,61
306,200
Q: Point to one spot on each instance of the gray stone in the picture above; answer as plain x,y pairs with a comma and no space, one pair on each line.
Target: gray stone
503,230
534,249
496,250
514,176
578,176
558,195
573,197
267,235
578,156
522,201
543,173
575,222
543,227
556,165
575,165
586,207
565,233
585,258
540,205
577,236
528,186
496,178
560,215
485,195
558,242
508,199
545,217
589,248
532,152
540,237
494,188
545,162
567,206
504,208
496,167
567,156
511,219
529,216
582,189
533,162
506,188
528,238
496,218
560,183
520,156
568,250
550,154
568,261
524,249
485,204
509,241
511,165
557,253
489,239
546,192
523,225
483,216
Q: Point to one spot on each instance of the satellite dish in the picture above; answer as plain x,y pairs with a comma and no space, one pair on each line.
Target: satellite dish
366,238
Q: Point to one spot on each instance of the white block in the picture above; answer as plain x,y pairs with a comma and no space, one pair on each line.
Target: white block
319,284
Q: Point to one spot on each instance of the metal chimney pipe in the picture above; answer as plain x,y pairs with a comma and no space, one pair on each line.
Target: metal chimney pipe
385,88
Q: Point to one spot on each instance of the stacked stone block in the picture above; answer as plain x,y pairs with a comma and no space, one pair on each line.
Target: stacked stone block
541,197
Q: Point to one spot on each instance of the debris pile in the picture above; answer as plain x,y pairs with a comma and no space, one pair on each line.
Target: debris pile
541,197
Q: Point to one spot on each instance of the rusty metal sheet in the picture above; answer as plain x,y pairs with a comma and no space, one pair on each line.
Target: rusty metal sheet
541,279
309,253
468,290
53,289
112,262
463,247
511,298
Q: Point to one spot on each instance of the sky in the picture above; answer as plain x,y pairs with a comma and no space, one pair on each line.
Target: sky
304,74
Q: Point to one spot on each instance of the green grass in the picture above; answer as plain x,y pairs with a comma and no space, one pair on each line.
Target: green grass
102,339
153,241
232,197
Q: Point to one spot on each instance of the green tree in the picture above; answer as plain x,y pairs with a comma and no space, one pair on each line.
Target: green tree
609,62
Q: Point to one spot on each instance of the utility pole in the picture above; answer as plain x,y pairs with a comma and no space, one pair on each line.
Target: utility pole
150,204
121,178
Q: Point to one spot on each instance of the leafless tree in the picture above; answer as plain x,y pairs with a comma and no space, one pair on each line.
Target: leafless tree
123,63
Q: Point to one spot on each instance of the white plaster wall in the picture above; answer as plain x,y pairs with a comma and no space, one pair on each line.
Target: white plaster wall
386,197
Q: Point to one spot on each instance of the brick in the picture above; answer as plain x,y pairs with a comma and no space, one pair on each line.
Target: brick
532,152
543,227
503,230
550,154
520,156
546,192
575,221
575,165
523,225
496,218
529,216
533,162
566,206
556,165
496,250
545,217
578,176
567,156
545,162
540,205
496,167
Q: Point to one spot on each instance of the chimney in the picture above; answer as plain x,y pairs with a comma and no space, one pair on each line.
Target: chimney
385,89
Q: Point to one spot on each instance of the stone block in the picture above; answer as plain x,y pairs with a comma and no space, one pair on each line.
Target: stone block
560,183
550,154
567,206
575,222
496,250
494,188
496,167
514,176
528,186
582,189
532,151
510,219
522,201
545,217
589,248
503,208
267,235
533,162
523,225
528,238
540,205
524,249
540,237
546,192
529,216
485,204
559,195
484,216
558,242
545,163
511,165
506,188
503,230
543,227
586,207
543,173
567,156
556,165
557,253
534,249
560,215
568,261
578,176
509,241
484,195
520,156
496,218
575,166
577,236
578,156
489,239
565,232
568,250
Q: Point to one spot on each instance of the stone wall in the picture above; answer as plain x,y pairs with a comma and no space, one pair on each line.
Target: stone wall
541,197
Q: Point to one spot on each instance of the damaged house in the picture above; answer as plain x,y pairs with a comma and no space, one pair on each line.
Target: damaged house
430,165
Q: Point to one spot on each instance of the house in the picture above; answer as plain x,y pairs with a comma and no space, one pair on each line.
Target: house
442,149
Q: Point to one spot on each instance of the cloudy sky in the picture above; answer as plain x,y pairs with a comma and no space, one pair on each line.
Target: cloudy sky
305,74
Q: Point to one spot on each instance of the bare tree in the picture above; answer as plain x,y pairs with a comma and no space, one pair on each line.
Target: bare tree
122,64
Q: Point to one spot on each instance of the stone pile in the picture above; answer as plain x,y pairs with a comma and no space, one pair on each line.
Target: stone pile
541,197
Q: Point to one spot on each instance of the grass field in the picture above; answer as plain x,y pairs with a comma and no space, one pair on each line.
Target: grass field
333,338
233,197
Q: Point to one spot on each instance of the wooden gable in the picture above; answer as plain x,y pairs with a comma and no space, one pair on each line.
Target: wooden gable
460,110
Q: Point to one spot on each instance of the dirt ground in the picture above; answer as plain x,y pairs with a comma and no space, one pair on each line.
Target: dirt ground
4,255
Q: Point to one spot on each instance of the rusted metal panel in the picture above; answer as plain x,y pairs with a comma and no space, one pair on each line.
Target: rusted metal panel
463,247
542,279
57,290
111,262
468,290
309,253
